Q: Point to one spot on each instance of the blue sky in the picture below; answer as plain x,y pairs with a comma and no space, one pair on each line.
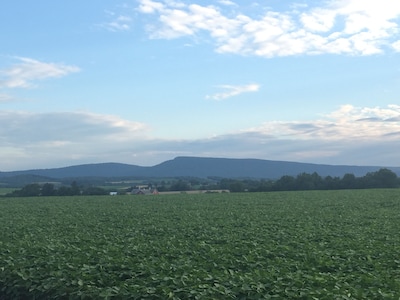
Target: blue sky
144,81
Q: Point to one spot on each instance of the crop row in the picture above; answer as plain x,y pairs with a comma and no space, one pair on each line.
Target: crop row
303,245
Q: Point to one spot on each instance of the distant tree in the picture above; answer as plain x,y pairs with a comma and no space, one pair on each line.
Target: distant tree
349,181
387,178
93,190
162,188
30,190
64,191
237,186
75,190
251,185
225,183
331,183
384,178
180,185
265,186
305,181
285,183
48,189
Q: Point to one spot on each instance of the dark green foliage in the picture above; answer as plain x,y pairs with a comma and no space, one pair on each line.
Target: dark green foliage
282,245
285,183
94,191
234,185
48,189
349,181
29,190
384,178
180,185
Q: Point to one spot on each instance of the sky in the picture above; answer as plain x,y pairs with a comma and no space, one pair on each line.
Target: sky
144,81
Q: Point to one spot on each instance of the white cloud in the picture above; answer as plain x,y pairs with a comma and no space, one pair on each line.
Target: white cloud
396,46
321,20
227,2
23,127
118,22
233,90
347,123
23,74
48,139
349,135
339,26
121,23
149,6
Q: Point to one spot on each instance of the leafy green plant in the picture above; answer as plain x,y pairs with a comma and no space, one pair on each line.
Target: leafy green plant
299,245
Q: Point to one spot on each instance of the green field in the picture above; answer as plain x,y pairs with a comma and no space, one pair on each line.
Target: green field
282,245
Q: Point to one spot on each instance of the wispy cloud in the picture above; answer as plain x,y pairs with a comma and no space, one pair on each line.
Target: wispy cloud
28,71
233,90
117,22
338,27
5,98
227,2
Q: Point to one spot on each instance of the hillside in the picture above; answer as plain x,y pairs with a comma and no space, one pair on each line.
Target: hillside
200,167
87,170
252,168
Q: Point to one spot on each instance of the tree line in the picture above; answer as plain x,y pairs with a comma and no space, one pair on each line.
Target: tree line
49,189
383,178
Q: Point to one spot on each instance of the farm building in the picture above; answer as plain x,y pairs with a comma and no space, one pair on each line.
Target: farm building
143,190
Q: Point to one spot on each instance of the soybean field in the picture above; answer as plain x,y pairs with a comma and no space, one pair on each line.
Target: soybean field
278,245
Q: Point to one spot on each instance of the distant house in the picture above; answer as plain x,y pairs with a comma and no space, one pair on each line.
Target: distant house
113,193
143,190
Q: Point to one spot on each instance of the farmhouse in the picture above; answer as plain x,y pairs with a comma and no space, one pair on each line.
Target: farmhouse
143,190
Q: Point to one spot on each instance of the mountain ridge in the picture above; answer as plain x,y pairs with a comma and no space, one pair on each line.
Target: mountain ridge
201,167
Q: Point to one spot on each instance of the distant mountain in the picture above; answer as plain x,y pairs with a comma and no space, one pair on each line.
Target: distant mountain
201,167
23,179
87,170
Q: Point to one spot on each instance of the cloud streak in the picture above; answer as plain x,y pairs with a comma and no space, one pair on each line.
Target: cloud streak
118,22
5,98
233,90
349,27
28,71
349,135
347,123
